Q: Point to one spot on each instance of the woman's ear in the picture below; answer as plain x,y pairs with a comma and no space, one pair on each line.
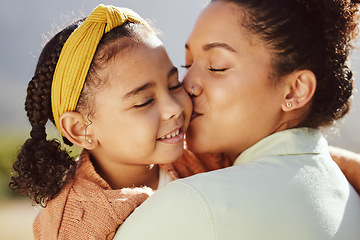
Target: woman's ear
77,130
302,89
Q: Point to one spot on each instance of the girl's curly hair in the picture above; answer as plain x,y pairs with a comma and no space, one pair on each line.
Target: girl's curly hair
42,166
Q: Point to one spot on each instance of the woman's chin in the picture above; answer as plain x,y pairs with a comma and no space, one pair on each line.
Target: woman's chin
197,145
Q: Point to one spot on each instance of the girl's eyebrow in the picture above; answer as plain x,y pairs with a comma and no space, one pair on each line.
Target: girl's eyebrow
139,89
148,85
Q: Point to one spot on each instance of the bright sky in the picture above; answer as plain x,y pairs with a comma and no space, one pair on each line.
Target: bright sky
23,22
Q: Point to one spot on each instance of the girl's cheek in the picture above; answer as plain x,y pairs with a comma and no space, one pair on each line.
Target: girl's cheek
184,99
188,101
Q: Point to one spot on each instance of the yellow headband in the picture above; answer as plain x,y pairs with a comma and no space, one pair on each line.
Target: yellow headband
78,52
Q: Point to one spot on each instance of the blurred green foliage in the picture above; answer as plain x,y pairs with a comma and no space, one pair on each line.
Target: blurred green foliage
10,143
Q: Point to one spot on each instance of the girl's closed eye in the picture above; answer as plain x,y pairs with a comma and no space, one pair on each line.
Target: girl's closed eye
145,103
177,86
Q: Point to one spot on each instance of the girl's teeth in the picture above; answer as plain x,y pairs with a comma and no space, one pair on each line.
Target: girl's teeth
174,134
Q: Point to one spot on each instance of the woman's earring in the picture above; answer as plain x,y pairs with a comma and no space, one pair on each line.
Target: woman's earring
289,104
192,91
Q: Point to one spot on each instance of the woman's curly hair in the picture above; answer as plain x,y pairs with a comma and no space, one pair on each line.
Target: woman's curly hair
309,34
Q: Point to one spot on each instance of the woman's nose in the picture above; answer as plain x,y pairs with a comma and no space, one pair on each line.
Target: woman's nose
192,84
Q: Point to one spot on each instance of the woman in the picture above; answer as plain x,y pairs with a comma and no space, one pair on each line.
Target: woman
264,77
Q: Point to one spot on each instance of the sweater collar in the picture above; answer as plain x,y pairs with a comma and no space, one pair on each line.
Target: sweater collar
297,141
86,170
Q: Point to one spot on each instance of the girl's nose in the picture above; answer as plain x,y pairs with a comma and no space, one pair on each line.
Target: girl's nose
171,108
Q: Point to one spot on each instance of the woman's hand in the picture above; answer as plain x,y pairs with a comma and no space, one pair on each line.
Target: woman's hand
349,163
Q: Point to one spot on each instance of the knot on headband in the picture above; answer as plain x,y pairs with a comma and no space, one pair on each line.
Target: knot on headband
38,132
77,54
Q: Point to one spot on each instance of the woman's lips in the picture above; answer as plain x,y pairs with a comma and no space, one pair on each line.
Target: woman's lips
194,115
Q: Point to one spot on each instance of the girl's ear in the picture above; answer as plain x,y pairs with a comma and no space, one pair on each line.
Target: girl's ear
77,130
302,88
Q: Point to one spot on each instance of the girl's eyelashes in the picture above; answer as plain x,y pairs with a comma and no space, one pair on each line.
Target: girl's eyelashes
151,100
179,85
148,102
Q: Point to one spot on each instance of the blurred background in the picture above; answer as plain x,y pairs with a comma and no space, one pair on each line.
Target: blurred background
23,24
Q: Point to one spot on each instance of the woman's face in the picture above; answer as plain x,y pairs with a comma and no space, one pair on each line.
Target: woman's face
235,103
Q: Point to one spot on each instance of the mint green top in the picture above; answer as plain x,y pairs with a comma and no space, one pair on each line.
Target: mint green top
284,187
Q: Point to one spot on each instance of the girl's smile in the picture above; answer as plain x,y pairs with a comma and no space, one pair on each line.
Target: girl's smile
176,136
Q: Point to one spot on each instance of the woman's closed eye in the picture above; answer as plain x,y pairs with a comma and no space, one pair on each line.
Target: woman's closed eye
210,69
218,69
186,66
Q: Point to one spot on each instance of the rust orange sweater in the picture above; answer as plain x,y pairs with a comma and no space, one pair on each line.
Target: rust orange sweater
87,207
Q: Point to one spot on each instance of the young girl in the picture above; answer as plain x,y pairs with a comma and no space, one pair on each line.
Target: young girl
109,87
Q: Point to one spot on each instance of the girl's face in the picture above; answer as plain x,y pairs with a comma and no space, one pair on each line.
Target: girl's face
235,104
141,116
